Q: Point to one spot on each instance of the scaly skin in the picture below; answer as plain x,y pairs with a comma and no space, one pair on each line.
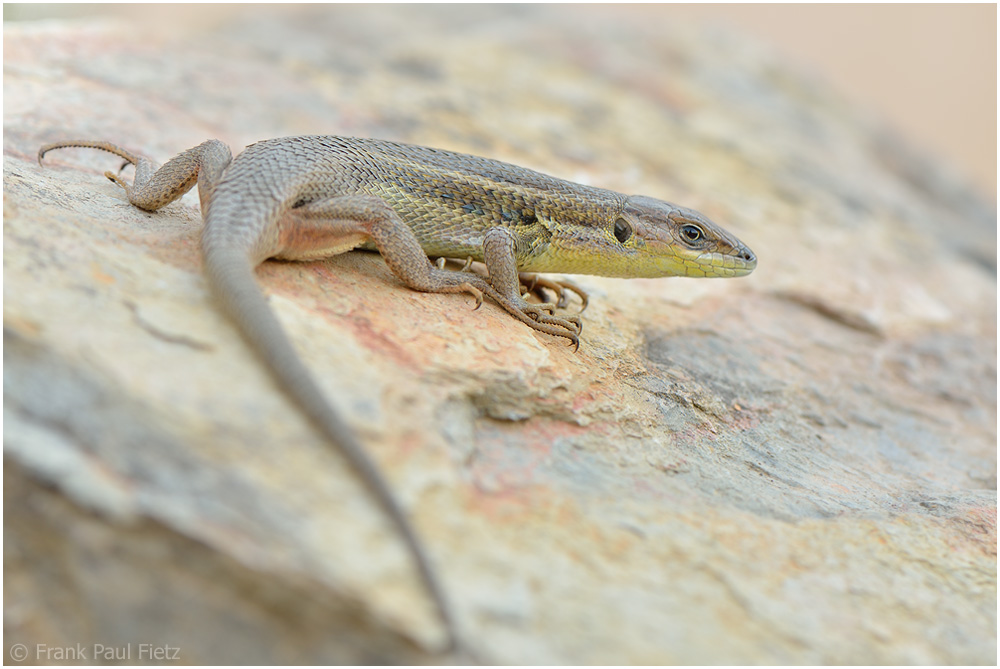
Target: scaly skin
302,198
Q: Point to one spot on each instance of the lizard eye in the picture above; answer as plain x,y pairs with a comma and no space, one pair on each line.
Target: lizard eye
691,233
622,230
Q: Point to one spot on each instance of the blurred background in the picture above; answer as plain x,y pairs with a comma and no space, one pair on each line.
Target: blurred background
929,71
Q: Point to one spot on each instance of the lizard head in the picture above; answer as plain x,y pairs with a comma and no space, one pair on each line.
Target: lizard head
657,238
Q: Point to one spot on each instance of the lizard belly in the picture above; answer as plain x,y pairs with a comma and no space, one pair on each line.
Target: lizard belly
309,242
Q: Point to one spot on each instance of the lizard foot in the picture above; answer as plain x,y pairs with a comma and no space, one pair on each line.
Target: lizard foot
542,313
534,285
538,317
118,180
537,285
444,281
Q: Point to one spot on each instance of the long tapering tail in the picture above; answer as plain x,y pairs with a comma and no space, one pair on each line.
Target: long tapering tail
231,276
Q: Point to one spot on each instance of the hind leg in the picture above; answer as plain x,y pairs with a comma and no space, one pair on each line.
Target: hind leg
155,186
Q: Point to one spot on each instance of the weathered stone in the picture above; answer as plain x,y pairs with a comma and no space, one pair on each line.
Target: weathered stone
796,467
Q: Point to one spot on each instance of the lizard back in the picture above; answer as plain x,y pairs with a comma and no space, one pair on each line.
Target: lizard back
448,199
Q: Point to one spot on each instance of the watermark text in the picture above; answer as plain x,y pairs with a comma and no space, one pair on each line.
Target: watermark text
97,652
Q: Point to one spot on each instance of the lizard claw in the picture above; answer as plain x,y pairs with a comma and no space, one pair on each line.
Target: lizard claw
536,310
538,316
475,292
536,285
118,180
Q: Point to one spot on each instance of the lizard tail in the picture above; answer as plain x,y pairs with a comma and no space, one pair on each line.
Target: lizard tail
231,277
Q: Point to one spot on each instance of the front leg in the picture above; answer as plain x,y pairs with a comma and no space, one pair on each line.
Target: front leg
334,225
499,254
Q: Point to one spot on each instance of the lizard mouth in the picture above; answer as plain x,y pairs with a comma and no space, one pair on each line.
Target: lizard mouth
728,265
708,265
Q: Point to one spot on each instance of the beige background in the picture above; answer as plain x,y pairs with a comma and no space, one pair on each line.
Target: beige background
929,70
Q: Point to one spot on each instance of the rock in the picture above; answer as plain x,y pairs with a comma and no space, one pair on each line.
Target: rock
794,468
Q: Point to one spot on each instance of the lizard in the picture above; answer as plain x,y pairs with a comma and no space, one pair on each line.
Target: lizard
309,197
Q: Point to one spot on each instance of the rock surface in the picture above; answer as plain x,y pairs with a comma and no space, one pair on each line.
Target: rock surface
797,467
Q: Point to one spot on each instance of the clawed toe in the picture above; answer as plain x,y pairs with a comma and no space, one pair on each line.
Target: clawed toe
571,324
539,316
475,292
536,285
537,311
116,179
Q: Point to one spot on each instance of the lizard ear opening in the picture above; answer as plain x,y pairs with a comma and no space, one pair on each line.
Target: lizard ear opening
623,231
